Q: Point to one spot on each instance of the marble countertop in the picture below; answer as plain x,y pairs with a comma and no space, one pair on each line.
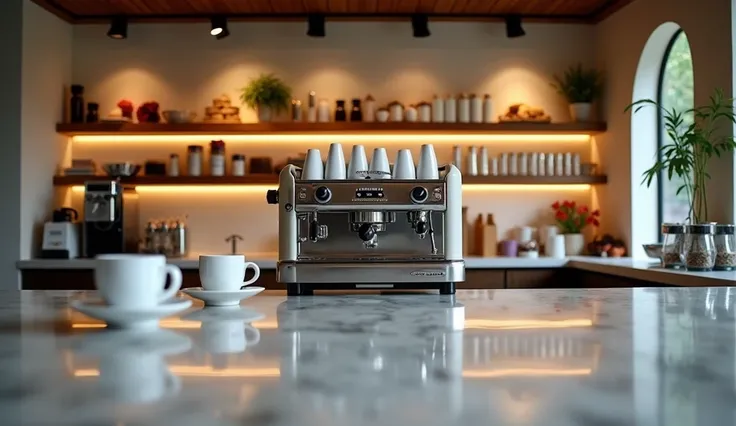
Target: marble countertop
510,357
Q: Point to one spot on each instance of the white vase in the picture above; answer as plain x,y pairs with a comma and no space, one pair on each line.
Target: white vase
264,114
581,112
574,244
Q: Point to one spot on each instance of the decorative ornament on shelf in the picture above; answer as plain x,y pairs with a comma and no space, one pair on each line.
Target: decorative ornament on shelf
692,143
148,113
268,95
580,87
607,246
572,219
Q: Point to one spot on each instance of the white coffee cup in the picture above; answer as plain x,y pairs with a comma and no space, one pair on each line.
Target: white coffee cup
225,272
222,337
135,280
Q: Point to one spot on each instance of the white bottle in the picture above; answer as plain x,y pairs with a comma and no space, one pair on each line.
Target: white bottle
438,110
559,164
472,169
312,107
568,164
323,111
369,109
425,112
476,109
463,109
504,164
487,109
534,164
523,163
542,165
576,165
494,166
483,161
513,165
550,164
457,157
173,169
450,109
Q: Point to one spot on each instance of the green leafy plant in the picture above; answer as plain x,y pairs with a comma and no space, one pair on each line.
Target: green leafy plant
267,91
579,85
691,147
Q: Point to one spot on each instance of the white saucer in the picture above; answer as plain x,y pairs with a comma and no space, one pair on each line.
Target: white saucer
224,313
222,298
139,318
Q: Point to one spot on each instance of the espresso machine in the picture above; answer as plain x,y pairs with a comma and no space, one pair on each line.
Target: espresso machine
110,218
369,233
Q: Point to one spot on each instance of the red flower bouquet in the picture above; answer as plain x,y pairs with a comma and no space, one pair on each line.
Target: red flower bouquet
572,218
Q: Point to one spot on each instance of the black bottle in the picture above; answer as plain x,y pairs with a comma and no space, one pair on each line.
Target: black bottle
356,114
340,111
93,112
76,110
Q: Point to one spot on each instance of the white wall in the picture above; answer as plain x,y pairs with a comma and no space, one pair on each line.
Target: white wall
11,19
619,42
182,66
47,59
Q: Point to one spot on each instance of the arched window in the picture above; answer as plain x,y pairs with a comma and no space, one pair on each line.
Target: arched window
675,91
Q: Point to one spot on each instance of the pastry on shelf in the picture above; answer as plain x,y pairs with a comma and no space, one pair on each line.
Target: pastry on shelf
222,111
524,113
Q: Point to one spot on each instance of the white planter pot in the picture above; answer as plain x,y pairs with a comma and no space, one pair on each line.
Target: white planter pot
264,114
574,244
581,112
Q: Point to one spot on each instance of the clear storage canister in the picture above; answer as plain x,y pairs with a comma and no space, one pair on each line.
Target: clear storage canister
700,250
725,248
674,242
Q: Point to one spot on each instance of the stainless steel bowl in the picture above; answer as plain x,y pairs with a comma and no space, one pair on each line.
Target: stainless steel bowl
653,250
121,169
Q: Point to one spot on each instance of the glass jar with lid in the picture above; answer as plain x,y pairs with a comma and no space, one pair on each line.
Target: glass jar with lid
673,243
725,241
700,250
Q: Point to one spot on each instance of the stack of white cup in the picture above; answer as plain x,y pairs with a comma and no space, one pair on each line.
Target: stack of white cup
379,167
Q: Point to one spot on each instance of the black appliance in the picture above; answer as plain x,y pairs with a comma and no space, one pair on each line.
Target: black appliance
111,221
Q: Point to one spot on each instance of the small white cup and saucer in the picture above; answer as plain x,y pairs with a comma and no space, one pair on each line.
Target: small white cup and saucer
222,278
133,291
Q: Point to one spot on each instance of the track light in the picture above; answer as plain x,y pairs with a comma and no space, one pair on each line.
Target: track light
513,27
118,28
219,27
420,25
316,25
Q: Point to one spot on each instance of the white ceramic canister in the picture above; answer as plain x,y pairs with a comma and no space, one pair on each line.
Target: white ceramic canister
542,165
472,163
438,110
173,169
494,166
523,164
487,109
323,111
237,165
559,164
396,111
550,164
504,164
576,164
534,164
457,157
369,109
312,107
513,164
476,109
568,164
450,109
463,109
483,161
425,112
411,114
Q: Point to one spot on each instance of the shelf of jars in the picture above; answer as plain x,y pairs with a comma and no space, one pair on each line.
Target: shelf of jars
122,128
272,179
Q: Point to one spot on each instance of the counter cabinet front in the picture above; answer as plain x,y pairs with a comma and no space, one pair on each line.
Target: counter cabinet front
83,279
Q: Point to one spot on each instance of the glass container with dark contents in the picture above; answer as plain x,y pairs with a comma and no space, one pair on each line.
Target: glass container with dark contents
356,113
700,251
673,245
725,241
340,114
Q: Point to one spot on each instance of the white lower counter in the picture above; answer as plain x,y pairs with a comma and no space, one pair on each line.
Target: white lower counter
623,267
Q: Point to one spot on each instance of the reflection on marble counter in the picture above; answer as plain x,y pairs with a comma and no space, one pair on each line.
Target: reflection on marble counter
516,357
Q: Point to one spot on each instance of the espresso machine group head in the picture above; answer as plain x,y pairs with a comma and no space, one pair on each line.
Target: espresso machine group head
338,234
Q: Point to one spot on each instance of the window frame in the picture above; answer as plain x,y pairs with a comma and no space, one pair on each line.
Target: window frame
660,127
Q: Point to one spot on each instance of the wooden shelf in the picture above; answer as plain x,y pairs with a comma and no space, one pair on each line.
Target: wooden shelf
101,129
272,179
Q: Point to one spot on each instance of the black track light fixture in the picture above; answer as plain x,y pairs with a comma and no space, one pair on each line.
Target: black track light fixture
118,28
420,26
513,27
316,25
219,27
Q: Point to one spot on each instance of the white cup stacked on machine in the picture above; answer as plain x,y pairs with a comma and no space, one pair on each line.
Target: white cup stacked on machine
378,168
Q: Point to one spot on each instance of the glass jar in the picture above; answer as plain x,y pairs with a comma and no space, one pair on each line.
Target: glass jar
700,251
93,114
194,160
725,248
356,114
672,246
217,158
340,114
238,165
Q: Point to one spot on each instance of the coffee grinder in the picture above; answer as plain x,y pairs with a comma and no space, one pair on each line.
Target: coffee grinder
110,218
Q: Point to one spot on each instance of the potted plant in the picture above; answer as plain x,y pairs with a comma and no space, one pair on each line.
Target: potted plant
691,147
580,87
572,219
268,95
